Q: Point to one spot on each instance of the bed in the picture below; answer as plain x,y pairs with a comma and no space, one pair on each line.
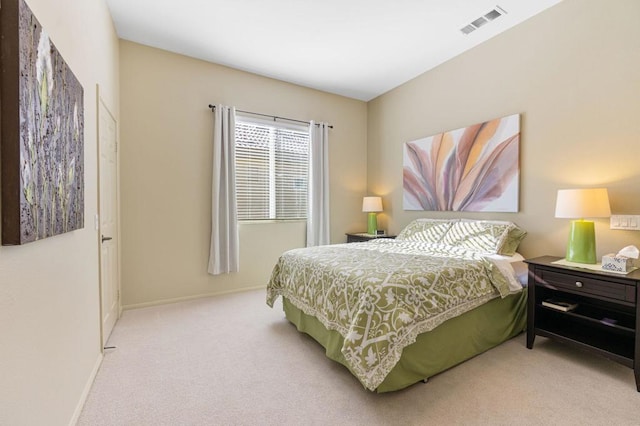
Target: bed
398,311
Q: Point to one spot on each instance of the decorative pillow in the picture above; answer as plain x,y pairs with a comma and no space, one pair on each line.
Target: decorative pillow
514,237
427,230
484,236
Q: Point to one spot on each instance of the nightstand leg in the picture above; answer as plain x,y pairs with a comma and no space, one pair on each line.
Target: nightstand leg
636,372
531,309
531,336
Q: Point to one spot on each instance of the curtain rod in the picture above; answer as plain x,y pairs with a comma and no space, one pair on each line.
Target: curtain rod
275,117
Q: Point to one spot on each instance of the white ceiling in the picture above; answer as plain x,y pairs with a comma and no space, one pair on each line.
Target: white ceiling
356,48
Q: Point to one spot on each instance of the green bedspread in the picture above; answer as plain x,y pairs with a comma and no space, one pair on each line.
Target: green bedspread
380,295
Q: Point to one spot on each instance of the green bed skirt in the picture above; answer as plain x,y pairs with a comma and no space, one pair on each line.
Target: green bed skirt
449,344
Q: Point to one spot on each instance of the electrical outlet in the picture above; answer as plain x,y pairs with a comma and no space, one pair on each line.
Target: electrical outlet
628,222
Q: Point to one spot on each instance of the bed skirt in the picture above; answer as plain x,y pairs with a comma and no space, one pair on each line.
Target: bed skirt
449,344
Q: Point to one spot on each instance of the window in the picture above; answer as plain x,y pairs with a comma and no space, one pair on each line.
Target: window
272,162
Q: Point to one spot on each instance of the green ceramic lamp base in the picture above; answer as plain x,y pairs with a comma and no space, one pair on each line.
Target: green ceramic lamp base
372,224
582,242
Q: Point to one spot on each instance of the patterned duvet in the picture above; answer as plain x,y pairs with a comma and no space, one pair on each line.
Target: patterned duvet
380,295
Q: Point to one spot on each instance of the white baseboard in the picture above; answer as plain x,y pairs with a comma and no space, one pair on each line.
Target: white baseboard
85,392
186,298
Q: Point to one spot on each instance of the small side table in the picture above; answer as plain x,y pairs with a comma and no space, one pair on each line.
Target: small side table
363,236
605,320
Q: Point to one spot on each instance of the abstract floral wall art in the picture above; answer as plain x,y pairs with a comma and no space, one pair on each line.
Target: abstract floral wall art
472,169
42,135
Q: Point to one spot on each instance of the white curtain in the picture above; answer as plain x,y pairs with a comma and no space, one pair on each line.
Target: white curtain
318,201
224,249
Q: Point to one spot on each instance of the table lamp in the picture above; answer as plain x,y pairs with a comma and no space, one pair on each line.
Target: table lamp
578,204
372,205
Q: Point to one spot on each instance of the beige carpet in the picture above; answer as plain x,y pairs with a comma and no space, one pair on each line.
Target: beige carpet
231,360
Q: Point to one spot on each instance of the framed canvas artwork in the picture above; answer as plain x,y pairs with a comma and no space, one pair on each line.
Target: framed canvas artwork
42,132
473,169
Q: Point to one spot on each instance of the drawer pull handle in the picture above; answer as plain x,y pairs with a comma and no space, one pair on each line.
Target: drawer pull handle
578,283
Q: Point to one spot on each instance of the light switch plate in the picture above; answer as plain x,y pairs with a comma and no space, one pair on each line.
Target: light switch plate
628,222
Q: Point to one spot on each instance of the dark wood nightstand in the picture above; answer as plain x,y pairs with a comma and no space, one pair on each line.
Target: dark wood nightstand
606,319
363,236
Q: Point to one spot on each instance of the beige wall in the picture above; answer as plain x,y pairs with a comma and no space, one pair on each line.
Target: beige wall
49,299
166,172
572,74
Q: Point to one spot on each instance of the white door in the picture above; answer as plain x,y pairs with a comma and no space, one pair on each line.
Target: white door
108,194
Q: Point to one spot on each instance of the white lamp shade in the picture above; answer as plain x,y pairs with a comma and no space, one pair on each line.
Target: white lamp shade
372,204
581,203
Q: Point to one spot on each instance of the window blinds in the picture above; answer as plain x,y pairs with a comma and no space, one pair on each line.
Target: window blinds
272,163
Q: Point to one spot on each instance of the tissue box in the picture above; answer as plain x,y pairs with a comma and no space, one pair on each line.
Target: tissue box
616,263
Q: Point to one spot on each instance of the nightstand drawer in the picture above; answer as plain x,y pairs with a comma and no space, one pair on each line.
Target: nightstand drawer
580,284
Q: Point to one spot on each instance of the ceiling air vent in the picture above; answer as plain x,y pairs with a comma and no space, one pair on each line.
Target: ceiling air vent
492,15
469,28
479,22
485,19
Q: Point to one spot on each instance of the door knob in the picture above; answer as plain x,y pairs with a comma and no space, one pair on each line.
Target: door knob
106,238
